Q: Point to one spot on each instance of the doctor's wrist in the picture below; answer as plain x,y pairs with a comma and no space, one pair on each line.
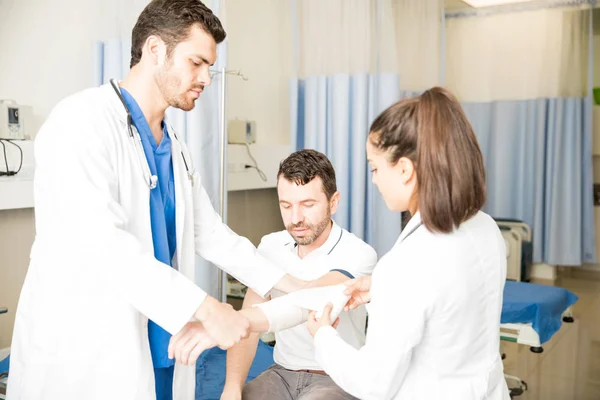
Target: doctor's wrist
206,308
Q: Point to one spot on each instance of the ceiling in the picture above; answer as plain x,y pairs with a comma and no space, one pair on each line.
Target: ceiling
455,4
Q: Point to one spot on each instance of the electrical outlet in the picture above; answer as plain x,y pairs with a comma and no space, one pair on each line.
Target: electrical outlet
236,167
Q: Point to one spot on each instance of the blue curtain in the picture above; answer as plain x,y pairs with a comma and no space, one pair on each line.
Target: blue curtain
332,114
537,155
538,161
111,60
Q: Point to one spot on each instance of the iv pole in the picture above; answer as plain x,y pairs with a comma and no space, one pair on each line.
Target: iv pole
221,276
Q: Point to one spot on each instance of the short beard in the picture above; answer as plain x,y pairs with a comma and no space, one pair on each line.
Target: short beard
170,83
316,230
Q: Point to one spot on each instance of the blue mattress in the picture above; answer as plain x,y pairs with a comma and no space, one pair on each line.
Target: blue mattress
210,370
540,305
4,364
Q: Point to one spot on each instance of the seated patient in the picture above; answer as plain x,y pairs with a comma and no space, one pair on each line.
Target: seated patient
313,248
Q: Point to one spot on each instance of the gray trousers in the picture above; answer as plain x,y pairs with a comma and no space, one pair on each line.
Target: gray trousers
278,383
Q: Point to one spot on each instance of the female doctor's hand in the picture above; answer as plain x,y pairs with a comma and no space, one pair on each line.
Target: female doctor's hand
359,291
315,324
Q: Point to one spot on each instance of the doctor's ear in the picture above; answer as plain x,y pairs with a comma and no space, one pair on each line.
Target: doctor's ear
156,49
405,168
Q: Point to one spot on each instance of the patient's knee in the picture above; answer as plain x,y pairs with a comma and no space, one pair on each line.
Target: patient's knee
253,390
326,393
268,385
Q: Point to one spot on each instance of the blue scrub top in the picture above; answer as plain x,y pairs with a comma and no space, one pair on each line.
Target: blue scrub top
162,214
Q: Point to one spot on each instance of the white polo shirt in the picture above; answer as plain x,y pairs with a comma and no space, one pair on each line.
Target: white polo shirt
294,348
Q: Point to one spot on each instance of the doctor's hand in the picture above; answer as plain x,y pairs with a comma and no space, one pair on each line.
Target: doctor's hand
225,325
313,324
189,343
360,291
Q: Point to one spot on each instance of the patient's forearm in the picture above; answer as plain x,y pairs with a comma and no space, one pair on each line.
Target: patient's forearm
329,279
289,284
240,356
239,361
258,320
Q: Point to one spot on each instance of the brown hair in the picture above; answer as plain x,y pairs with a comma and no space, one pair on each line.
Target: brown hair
171,20
303,166
433,132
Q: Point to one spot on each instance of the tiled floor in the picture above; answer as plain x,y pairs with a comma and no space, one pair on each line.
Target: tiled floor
569,367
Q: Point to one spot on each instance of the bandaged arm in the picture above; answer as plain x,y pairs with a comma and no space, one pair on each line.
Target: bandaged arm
280,314
288,311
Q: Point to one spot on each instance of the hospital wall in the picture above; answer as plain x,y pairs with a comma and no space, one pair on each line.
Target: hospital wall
261,45
42,61
16,235
46,54
596,131
254,213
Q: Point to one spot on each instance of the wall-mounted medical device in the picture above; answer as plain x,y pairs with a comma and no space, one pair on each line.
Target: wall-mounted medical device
241,131
15,121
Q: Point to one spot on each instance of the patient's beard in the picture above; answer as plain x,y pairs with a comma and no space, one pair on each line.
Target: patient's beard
315,230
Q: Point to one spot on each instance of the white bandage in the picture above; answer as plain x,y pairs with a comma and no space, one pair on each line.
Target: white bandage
338,299
291,310
281,314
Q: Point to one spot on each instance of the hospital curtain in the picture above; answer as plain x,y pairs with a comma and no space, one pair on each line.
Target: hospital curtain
199,128
354,58
523,78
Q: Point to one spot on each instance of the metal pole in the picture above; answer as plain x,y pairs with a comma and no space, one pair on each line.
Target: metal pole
221,276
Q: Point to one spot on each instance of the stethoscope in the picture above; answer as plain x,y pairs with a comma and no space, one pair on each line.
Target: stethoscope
134,134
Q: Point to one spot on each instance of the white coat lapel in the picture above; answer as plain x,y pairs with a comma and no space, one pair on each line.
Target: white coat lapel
414,223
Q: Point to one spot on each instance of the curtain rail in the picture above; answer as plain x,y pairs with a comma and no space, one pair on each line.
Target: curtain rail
517,7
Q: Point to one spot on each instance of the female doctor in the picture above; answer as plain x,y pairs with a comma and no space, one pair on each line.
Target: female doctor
436,296
120,217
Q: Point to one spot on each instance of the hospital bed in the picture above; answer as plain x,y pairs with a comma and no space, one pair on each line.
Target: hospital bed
531,315
519,248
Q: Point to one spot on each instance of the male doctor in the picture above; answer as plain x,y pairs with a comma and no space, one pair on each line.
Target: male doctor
119,219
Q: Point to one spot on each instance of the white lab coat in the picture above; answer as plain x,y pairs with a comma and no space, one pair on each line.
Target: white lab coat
434,320
93,282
